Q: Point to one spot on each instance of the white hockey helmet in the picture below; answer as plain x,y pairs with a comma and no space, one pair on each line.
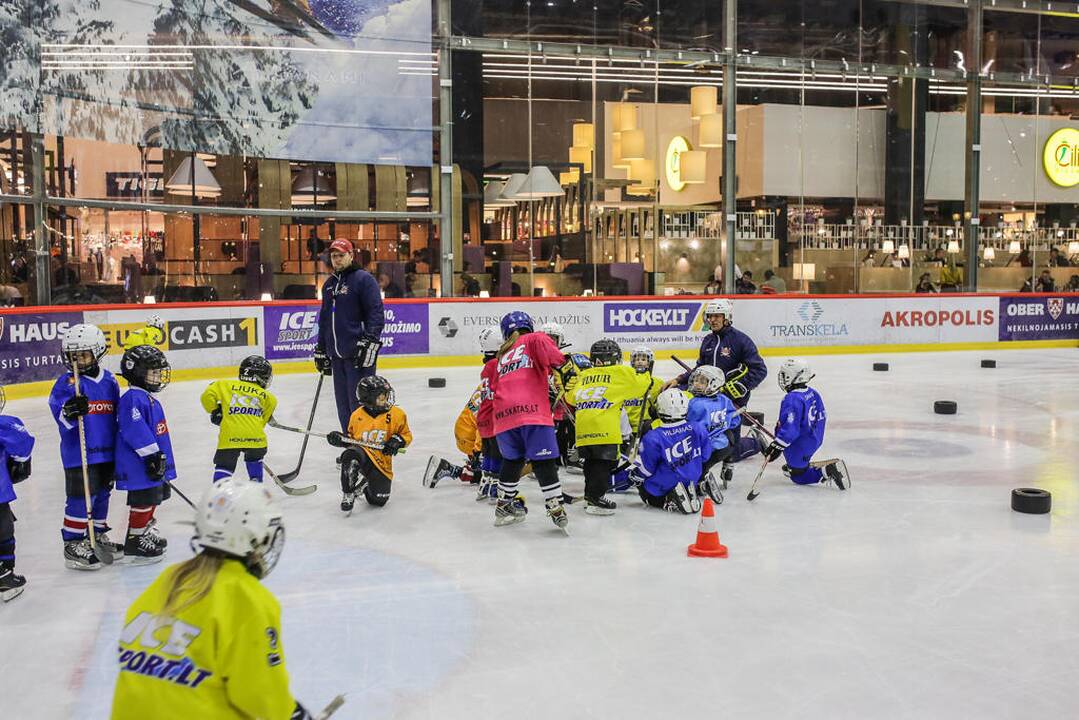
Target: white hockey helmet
490,340
793,371
84,338
554,331
720,306
155,321
706,380
672,405
642,359
238,518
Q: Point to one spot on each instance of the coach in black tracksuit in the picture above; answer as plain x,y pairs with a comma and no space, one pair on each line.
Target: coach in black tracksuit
349,328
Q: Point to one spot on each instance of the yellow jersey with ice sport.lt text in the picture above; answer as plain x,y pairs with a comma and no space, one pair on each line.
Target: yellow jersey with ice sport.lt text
598,398
245,409
376,431
645,401
219,658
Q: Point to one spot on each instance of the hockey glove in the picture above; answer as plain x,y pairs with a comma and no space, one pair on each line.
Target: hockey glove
322,363
735,389
393,445
216,416
155,465
337,439
19,470
773,451
367,352
75,407
300,713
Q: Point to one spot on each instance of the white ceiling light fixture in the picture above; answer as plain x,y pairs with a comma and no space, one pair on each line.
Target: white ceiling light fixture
887,247
693,167
538,184
583,135
312,186
581,156
702,101
492,195
989,253
633,145
627,118
710,133
513,186
953,246
904,252
1014,248
200,182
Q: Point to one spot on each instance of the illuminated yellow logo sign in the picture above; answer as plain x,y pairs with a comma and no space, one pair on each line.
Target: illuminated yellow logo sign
673,168
1060,158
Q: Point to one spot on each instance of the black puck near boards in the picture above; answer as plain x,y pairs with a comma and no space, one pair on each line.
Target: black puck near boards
945,407
880,367
436,382
1031,501
989,363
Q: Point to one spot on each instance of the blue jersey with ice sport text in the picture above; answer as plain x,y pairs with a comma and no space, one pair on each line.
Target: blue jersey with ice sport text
143,432
801,417
103,393
672,454
15,442
716,414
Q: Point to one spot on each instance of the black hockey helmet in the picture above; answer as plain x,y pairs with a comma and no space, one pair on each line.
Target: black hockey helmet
605,352
256,369
146,367
370,390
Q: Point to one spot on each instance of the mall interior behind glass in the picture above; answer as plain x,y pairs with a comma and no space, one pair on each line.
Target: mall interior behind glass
494,148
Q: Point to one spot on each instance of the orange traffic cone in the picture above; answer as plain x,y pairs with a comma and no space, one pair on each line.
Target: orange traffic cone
707,544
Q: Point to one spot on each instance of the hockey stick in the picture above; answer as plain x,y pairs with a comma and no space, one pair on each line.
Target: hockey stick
293,474
753,491
314,433
637,436
331,708
102,553
183,497
288,490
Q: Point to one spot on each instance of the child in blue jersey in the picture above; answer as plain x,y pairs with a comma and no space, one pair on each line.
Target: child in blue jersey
16,444
670,462
715,412
95,405
800,429
144,459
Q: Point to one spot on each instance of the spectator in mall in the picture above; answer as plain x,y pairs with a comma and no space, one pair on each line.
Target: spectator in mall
937,256
951,277
1045,283
62,273
470,285
1024,259
20,269
1073,284
410,285
925,284
870,260
389,288
773,281
744,285
1057,258
713,287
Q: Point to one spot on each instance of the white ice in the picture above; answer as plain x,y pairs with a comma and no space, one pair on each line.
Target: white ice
917,594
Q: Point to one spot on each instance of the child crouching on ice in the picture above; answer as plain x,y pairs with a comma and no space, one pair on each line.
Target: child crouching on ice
716,413
381,431
800,430
670,461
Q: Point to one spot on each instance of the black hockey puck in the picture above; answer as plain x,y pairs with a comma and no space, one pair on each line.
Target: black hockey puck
1031,501
436,382
945,407
989,363
758,416
880,367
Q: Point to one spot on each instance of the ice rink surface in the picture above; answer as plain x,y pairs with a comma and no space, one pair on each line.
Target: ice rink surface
917,594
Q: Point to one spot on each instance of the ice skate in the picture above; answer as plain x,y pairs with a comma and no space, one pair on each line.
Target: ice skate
710,487
726,474
678,500
348,501
105,543
835,471
11,585
437,469
155,533
510,510
599,506
78,555
488,489
557,512
142,550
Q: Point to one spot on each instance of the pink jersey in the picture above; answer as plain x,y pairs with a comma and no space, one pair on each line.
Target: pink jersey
521,389
485,416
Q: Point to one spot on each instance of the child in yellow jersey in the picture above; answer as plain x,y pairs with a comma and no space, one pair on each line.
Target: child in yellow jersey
242,408
377,431
204,640
601,392
152,334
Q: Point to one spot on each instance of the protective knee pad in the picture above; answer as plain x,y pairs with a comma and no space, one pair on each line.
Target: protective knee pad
546,472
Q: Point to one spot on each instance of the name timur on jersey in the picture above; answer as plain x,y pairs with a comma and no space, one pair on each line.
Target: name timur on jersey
245,405
516,360
145,629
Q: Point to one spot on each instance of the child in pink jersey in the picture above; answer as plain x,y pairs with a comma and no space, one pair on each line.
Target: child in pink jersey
523,422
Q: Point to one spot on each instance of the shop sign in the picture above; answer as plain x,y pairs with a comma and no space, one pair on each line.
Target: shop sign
292,330
623,317
1045,318
1060,157
673,165
30,345
130,184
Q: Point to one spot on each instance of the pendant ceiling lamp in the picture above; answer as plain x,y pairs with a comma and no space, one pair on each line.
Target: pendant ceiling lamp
492,195
643,173
693,167
581,155
312,186
702,101
711,131
633,145
539,184
583,135
199,182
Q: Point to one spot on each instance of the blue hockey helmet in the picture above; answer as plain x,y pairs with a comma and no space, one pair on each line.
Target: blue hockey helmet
514,321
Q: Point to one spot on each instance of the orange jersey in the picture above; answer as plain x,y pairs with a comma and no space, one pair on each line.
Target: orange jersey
376,430
465,430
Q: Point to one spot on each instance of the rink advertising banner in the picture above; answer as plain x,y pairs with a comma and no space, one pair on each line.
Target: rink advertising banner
455,326
291,330
1039,318
30,345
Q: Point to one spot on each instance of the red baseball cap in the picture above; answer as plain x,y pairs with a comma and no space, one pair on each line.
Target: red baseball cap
341,245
